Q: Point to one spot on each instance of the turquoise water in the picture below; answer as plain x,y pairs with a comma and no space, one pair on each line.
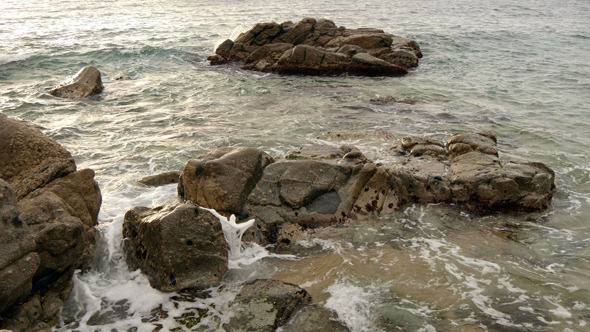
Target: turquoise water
519,69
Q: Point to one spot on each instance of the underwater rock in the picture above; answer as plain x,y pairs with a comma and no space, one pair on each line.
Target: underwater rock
319,47
222,179
313,318
177,246
48,211
265,305
85,83
322,185
161,179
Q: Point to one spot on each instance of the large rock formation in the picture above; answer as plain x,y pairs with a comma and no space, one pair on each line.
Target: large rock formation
319,47
177,246
48,211
323,185
85,83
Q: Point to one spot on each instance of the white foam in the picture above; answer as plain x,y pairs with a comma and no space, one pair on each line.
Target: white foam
241,254
354,305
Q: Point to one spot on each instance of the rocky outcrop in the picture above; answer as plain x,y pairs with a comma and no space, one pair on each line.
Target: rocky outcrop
265,305
319,47
177,246
323,185
85,83
48,211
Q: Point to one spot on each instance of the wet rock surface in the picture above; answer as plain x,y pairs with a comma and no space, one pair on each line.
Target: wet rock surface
48,211
319,47
85,83
177,246
265,305
323,185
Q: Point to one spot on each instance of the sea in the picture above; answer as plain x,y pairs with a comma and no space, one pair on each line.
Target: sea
518,68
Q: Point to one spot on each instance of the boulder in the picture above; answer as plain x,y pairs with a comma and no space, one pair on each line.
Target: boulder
177,246
222,179
86,82
28,158
48,211
265,305
319,47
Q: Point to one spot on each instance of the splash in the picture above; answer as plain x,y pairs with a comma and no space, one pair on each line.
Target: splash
241,254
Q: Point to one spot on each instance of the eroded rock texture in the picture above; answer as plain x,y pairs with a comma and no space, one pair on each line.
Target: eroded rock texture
322,185
48,211
177,246
319,47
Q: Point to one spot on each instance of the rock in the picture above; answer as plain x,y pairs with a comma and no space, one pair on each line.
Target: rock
223,179
321,185
313,318
319,47
161,179
177,246
47,224
28,158
85,83
265,305
61,217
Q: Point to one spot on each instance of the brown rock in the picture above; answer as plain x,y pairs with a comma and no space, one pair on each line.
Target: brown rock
161,179
85,83
318,47
223,179
28,158
177,246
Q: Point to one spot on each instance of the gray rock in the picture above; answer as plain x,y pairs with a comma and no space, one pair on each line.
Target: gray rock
86,82
265,305
177,246
313,318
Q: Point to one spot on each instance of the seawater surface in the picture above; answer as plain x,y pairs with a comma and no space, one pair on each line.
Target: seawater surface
519,69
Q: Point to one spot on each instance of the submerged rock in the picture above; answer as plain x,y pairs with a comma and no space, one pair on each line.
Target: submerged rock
319,47
48,211
265,305
85,83
322,185
177,246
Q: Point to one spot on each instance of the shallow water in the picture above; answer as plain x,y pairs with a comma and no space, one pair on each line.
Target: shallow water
518,69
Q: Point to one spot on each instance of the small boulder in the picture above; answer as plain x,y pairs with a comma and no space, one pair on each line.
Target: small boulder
161,179
86,82
222,179
313,318
177,246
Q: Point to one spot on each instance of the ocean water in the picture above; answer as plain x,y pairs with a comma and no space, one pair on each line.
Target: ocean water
519,69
